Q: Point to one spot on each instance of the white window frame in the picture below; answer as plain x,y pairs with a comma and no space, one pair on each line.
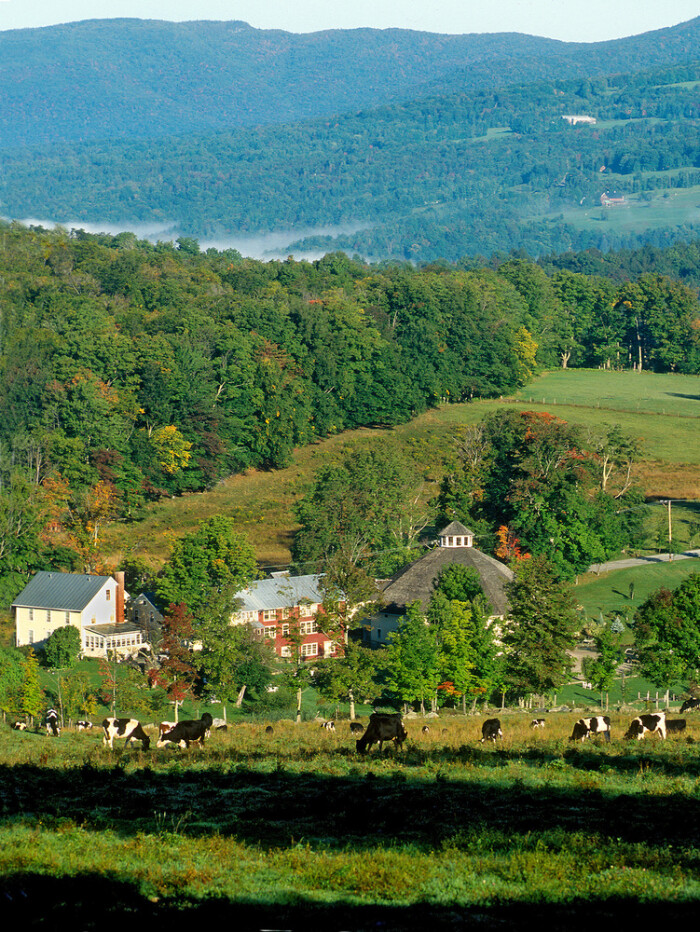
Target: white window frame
309,650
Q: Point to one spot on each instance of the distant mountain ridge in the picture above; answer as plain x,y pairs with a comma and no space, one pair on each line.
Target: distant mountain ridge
101,80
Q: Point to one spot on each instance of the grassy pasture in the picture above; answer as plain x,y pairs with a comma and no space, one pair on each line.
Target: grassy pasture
666,207
295,830
660,410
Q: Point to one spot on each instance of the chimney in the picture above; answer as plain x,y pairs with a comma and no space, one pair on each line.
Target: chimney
119,607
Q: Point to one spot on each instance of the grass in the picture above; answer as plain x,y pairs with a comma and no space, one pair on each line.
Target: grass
295,830
659,410
610,592
657,209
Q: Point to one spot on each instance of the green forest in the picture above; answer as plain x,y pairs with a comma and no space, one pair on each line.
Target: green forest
132,371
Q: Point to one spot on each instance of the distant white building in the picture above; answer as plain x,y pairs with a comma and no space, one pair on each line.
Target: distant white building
574,118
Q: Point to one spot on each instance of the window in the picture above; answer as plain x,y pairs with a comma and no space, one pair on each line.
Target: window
30,635
270,614
108,594
286,651
67,618
48,616
307,627
285,631
309,650
271,632
31,614
305,609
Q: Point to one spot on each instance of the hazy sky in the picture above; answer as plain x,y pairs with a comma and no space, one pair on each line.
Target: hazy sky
590,21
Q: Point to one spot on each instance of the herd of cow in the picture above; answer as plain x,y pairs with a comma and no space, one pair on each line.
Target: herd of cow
382,727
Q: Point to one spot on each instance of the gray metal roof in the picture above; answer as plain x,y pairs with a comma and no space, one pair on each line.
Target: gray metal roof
281,592
415,581
60,591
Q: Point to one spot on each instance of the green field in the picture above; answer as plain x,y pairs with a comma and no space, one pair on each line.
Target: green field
663,207
294,830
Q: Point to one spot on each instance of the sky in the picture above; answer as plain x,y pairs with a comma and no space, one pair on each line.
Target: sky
591,21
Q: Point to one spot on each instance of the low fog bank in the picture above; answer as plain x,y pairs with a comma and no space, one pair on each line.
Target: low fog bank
271,245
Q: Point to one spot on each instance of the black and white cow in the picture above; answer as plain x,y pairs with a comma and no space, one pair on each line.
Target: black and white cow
537,723
19,726
586,727
189,731
52,726
382,726
650,722
690,705
491,730
129,728
83,725
329,726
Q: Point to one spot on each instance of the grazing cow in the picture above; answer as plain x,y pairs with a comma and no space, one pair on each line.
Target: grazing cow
52,726
19,726
650,722
425,729
329,726
83,725
491,730
269,730
356,728
585,727
124,728
186,732
382,726
675,725
537,723
690,705
164,728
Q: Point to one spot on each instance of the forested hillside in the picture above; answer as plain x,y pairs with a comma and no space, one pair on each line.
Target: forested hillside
131,371
130,78
434,178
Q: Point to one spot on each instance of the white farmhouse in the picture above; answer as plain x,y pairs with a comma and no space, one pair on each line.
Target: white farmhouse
93,604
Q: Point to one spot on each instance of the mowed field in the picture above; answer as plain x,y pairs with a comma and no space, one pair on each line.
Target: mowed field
661,411
295,830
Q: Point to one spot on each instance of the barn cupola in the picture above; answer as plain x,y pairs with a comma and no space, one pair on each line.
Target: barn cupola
456,535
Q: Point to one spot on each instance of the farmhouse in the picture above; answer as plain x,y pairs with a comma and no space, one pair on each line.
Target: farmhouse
284,605
576,118
93,604
414,583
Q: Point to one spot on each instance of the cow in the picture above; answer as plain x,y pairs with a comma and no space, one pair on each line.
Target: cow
586,727
649,722
52,726
356,728
425,729
129,728
690,705
537,723
491,730
269,730
329,726
187,732
675,725
19,726
164,728
382,726
83,725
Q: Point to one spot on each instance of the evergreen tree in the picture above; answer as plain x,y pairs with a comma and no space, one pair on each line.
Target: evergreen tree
32,699
540,628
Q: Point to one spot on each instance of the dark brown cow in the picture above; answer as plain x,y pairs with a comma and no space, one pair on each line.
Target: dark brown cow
356,727
491,730
382,726
187,732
